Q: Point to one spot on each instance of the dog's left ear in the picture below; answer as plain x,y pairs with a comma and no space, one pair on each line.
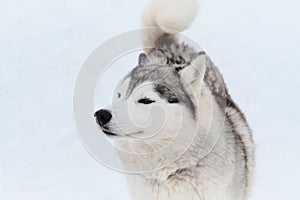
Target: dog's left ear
143,59
195,71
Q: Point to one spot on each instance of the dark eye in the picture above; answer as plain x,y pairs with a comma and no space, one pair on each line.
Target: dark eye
173,100
145,101
118,94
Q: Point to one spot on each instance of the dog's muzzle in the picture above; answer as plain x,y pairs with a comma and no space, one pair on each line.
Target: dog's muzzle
103,117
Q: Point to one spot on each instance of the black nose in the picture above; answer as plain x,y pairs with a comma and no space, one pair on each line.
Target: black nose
103,116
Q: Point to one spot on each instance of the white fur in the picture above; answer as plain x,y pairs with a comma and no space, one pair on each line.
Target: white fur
166,16
177,154
195,71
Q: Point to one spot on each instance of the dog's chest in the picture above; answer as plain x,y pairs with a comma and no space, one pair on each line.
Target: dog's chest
190,188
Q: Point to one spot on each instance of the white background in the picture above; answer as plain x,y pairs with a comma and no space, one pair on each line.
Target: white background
43,44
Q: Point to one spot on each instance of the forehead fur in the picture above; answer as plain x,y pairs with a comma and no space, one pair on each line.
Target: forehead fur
166,82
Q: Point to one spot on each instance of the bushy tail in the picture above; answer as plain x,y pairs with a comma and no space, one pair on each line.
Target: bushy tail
163,16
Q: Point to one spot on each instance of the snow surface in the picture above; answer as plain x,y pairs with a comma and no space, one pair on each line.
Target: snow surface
43,44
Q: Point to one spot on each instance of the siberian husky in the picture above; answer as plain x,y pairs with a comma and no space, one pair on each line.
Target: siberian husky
174,120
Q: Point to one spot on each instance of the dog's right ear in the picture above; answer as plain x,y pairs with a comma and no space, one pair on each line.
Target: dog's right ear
143,59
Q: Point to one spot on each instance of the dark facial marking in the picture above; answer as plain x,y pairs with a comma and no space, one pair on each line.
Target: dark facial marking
166,94
164,76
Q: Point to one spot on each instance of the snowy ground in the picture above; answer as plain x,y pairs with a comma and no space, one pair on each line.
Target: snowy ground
43,44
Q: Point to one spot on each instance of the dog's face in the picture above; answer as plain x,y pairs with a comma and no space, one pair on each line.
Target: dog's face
143,113
154,103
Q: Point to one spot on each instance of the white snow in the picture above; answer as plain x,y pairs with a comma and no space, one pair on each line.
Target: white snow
43,44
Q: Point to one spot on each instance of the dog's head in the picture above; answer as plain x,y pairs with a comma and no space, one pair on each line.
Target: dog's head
155,103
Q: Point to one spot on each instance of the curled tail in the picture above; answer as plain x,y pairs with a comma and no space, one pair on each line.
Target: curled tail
165,18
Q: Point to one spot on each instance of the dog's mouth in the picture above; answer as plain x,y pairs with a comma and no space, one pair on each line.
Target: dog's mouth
106,132
111,134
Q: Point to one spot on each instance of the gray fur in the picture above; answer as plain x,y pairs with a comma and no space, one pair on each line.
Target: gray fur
166,93
226,172
162,64
167,83
161,67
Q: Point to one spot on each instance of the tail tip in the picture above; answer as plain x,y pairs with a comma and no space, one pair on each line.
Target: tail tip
173,14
